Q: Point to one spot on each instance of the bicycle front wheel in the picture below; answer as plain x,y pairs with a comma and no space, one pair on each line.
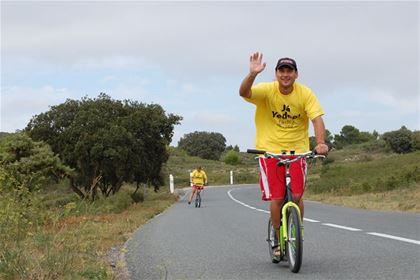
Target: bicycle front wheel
198,200
294,245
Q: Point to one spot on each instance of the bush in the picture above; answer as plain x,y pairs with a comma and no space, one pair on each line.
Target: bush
29,163
232,157
374,146
137,197
400,141
416,140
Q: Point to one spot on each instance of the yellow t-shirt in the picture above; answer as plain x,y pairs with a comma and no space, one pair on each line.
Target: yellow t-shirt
282,121
198,177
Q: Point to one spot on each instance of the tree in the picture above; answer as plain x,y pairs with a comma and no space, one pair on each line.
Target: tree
107,142
29,164
400,141
230,147
207,145
350,135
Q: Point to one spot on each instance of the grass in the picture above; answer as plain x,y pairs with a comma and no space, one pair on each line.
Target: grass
380,181
405,200
358,176
73,241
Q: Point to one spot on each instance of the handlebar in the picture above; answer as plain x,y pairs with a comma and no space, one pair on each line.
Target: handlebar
285,158
253,151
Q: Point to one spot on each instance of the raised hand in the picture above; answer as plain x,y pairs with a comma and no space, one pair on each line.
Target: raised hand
256,65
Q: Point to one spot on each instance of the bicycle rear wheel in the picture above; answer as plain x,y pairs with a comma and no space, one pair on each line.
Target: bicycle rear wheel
294,244
273,242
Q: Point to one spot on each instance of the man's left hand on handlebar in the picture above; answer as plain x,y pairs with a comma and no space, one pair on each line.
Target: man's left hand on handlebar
321,149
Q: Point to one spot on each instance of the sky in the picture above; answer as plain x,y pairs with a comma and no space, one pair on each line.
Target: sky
360,58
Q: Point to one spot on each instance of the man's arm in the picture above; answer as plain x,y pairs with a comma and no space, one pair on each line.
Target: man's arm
255,67
319,128
245,88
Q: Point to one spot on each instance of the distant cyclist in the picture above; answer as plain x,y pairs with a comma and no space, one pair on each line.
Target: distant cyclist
199,179
283,110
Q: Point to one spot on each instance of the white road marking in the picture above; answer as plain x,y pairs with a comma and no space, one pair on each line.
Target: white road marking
310,220
395,237
341,227
244,204
261,210
331,225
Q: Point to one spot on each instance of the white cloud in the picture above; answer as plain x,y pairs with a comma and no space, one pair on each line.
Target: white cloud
20,104
178,53
214,119
403,104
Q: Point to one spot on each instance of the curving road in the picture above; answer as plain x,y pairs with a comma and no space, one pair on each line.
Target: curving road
225,239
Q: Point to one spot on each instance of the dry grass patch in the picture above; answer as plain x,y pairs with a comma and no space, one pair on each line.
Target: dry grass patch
77,245
396,200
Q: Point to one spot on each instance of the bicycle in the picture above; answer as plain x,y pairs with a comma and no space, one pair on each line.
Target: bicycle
198,198
290,235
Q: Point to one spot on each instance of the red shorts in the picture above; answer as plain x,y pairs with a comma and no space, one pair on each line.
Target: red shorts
273,181
197,187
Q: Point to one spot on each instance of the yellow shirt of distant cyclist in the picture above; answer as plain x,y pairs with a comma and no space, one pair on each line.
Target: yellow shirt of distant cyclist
282,121
199,177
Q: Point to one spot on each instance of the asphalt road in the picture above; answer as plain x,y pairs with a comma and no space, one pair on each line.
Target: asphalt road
225,239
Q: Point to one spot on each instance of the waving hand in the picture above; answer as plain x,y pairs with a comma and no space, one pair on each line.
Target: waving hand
256,65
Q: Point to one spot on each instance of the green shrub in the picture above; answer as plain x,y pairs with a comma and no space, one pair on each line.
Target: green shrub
400,141
29,163
374,146
232,157
137,197
416,140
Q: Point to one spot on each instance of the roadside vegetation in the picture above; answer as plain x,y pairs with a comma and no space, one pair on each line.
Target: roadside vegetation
83,176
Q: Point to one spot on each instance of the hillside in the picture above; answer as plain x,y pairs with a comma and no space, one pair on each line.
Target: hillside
180,165
361,176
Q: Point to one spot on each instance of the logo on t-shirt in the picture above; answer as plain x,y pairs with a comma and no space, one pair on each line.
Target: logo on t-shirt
285,118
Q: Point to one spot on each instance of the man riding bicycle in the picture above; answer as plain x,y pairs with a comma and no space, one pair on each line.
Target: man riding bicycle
199,179
283,110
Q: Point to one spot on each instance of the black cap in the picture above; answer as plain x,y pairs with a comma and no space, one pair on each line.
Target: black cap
288,62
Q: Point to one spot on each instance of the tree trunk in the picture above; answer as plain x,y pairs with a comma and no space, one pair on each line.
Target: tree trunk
76,189
94,186
137,188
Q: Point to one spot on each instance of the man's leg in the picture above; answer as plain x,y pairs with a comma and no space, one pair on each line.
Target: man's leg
275,212
275,208
301,207
191,195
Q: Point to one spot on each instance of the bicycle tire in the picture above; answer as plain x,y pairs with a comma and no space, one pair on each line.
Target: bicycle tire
272,242
197,200
294,244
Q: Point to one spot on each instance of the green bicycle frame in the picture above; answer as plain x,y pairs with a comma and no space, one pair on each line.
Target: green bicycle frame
283,228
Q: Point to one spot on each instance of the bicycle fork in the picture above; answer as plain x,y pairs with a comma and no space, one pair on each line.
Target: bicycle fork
283,235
